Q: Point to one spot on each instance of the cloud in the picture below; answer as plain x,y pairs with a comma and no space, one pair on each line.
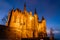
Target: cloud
55,31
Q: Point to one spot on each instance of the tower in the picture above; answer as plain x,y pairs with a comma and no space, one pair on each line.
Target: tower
35,24
44,27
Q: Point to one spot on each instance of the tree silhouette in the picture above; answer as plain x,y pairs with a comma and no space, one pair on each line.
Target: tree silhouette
4,19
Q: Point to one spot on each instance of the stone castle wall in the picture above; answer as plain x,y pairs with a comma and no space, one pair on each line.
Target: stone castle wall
25,24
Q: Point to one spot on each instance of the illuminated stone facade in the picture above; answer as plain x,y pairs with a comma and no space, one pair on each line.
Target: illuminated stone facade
25,24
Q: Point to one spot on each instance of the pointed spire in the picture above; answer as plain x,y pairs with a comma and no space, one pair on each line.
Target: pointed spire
35,11
24,6
43,18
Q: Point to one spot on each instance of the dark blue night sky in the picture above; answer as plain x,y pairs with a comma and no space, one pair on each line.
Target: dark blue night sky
50,9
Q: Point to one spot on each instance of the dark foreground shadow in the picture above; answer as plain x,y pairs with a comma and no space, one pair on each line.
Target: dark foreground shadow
4,31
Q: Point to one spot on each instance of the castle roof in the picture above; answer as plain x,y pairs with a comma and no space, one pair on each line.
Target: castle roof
18,10
39,21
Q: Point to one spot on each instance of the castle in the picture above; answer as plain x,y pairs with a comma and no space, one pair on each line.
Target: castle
25,24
